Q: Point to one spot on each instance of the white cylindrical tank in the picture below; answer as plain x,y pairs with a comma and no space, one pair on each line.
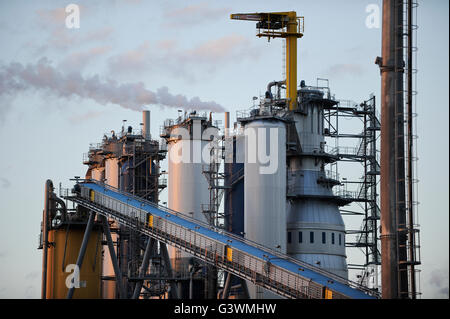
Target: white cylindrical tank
188,189
265,188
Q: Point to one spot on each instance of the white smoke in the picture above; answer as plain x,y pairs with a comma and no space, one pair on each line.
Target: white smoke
42,76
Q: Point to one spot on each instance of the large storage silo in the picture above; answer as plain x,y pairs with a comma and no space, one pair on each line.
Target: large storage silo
265,188
188,189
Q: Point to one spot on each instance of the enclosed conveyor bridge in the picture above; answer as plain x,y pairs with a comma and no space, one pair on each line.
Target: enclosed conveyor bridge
243,258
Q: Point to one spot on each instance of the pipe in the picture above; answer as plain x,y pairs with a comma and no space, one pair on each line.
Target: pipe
45,224
227,124
245,289
146,122
410,152
144,266
392,182
191,285
84,244
112,253
273,83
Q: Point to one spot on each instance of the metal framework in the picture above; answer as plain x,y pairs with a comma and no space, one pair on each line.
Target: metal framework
365,192
140,158
243,258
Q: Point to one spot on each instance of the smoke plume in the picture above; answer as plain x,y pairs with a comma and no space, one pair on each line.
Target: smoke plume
42,76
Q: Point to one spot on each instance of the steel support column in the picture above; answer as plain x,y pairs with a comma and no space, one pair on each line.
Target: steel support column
148,251
165,255
84,244
226,287
112,253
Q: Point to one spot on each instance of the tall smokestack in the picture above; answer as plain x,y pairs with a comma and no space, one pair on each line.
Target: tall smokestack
227,124
146,122
394,277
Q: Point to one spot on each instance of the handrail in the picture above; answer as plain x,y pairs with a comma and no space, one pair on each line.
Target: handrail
238,238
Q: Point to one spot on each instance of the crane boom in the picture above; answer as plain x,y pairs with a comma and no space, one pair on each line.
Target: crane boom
280,25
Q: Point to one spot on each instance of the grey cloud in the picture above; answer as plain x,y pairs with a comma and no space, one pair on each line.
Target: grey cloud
32,275
195,14
76,119
345,69
4,183
439,280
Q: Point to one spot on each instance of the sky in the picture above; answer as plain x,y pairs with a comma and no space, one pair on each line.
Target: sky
63,88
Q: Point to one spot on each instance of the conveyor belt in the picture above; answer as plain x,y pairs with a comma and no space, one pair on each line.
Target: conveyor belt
263,266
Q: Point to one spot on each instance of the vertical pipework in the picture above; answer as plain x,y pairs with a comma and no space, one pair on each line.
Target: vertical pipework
45,226
146,122
392,181
291,62
410,152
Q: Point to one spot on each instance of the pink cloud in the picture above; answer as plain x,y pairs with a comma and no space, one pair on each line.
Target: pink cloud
195,14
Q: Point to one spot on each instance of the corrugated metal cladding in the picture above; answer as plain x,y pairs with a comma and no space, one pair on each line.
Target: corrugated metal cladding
234,196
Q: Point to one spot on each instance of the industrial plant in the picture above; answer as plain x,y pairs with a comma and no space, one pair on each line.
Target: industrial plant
255,206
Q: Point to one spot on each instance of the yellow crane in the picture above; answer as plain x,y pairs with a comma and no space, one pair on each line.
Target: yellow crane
281,25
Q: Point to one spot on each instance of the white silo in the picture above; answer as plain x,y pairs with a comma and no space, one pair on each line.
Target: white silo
265,187
188,188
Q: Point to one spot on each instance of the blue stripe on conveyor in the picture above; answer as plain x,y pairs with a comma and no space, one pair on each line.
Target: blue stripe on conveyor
234,243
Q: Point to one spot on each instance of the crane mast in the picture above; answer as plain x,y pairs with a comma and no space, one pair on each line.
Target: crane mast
281,25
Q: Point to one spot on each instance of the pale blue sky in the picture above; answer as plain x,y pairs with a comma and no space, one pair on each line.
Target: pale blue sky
194,49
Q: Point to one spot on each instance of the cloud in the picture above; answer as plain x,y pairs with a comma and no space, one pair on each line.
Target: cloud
439,281
43,77
132,61
51,17
30,292
345,69
32,275
4,183
194,14
62,38
79,60
169,57
76,119
224,49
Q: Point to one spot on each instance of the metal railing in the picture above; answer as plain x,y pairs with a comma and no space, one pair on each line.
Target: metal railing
118,206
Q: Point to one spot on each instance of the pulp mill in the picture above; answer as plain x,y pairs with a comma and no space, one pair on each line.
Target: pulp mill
255,207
